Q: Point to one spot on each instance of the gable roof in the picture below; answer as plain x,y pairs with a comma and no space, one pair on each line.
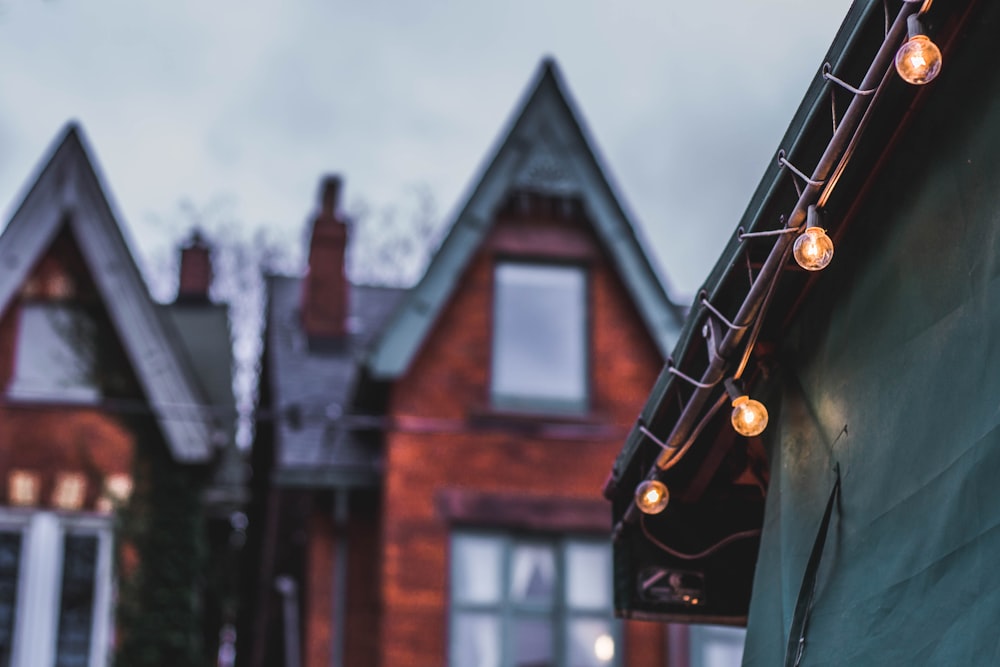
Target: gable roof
68,191
546,149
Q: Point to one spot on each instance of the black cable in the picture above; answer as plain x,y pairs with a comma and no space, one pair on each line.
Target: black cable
742,535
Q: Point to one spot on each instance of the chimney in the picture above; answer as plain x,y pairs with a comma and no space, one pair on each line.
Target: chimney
196,269
325,293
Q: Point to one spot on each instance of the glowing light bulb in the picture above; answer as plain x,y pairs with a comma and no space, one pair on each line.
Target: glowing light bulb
651,496
918,60
604,648
23,487
749,416
813,250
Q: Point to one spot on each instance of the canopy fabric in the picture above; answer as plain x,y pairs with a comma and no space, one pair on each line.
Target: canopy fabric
889,371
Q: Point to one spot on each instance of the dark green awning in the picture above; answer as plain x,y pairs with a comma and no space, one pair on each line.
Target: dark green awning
883,365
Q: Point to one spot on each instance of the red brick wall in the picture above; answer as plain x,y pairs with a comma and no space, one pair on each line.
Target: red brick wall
363,600
316,593
450,442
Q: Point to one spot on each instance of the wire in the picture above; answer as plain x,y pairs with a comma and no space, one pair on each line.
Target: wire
833,110
694,434
758,323
742,535
703,385
829,76
649,434
795,170
735,327
768,232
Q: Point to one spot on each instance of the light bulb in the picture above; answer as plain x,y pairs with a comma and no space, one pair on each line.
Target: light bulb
749,416
918,60
651,496
813,250
604,648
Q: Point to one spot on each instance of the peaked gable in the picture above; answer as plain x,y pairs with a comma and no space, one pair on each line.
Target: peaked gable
546,150
68,191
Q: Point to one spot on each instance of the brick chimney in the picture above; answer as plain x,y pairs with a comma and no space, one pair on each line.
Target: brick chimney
325,289
196,269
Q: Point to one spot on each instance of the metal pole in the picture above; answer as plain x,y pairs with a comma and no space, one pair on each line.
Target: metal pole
289,591
339,578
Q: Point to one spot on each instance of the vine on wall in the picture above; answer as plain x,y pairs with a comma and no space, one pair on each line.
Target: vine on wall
161,559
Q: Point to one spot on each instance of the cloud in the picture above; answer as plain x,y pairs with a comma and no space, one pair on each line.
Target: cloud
192,99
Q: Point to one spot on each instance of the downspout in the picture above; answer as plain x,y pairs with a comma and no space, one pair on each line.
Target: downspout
289,592
339,621
678,640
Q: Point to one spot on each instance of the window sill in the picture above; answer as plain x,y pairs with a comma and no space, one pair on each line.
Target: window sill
82,398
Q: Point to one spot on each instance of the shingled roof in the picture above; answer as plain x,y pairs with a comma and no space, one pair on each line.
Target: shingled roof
312,388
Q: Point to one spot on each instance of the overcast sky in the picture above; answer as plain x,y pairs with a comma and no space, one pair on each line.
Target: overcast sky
249,102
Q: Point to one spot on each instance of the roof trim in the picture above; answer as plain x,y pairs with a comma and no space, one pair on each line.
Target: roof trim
546,105
68,187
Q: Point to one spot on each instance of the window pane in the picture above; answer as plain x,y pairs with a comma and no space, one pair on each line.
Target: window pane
476,569
588,577
716,646
475,640
590,643
76,606
539,348
10,562
54,354
533,642
533,574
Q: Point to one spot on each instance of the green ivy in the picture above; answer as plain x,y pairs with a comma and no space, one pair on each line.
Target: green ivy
159,609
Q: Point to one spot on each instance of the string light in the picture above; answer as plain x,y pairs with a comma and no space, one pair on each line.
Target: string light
652,496
749,417
813,250
918,60
70,490
23,487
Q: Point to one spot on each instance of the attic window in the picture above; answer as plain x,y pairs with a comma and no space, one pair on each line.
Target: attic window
55,353
539,337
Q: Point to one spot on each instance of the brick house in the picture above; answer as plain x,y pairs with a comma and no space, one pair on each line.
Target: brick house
106,402
429,462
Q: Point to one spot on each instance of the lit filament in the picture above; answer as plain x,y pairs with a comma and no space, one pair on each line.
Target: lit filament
651,496
813,250
918,60
749,416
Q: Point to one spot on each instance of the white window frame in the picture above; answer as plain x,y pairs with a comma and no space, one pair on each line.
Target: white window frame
506,611
39,587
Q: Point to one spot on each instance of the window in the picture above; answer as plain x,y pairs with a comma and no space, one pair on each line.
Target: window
526,602
54,354
55,574
539,337
716,646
